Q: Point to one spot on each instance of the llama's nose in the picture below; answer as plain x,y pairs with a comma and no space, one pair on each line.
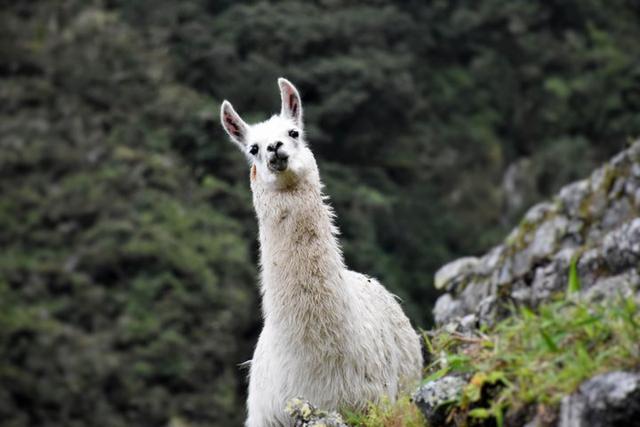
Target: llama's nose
274,146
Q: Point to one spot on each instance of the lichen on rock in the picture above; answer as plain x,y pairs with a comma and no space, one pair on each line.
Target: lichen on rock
306,414
432,398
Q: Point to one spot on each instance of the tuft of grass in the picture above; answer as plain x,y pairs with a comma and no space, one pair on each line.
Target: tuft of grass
402,413
537,357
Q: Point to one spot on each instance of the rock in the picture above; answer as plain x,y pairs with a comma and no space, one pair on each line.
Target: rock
433,397
600,178
452,273
636,198
617,189
488,263
591,266
607,400
539,212
447,309
476,291
632,183
487,311
547,236
573,234
542,242
521,294
468,323
305,414
551,277
617,213
621,159
622,246
623,285
572,197
597,205
504,273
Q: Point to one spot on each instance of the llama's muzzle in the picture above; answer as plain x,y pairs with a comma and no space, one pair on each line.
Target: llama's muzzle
278,160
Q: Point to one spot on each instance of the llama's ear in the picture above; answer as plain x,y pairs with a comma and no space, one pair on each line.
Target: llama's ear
233,124
291,104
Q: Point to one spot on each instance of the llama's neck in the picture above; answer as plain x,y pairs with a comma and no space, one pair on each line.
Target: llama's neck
302,265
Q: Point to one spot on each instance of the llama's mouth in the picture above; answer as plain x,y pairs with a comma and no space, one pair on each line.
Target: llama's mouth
278,163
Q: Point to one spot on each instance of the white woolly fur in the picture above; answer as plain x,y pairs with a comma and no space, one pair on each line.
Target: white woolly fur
333,336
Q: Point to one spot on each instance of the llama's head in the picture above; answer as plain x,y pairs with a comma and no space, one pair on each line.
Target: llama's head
276,148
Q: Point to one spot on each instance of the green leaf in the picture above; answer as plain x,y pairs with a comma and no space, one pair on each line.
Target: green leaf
497,411
551,345
497,376
574,281
458,362
427,341
480,413
527,313
436,375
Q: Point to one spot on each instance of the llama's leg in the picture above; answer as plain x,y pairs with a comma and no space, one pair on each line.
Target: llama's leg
264,410
263,406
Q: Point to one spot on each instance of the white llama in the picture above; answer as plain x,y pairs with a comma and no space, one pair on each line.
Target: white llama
333,336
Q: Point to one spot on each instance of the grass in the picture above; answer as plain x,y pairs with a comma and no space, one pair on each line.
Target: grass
402,413
529,360
537,357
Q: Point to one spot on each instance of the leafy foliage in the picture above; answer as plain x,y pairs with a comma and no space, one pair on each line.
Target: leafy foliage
124,289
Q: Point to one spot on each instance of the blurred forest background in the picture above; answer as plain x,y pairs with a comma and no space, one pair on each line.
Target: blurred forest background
128,243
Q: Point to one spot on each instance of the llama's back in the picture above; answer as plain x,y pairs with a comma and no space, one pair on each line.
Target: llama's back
389,335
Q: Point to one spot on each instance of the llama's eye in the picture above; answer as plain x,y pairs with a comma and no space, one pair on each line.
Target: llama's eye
293,133
254,149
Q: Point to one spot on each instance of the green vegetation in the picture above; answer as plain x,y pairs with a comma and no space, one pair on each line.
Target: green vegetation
128,261
537,357
402,413
523,365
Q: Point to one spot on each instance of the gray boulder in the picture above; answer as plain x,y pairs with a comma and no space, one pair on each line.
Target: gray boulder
447,309
451,274
433,398
607,400
305,414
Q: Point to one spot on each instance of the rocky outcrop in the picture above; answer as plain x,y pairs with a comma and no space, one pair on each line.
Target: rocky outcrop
590,231
304,414
594,223
432,397
606,400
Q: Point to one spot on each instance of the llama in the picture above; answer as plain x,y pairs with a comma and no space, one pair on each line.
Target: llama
333,336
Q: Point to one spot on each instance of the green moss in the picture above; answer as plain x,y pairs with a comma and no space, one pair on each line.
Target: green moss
610,175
